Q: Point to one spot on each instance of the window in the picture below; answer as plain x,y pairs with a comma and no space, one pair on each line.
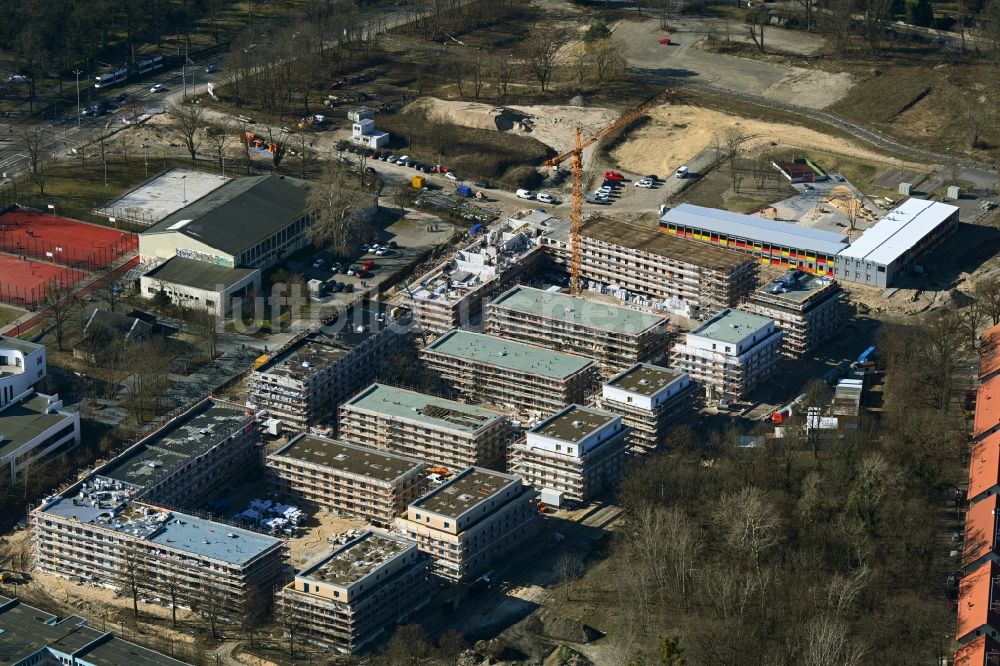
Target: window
447,524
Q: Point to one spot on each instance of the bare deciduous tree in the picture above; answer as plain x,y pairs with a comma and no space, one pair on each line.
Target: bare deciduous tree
340,212
132,574
750,523
61,304
189,121
988,294
754,21
540,52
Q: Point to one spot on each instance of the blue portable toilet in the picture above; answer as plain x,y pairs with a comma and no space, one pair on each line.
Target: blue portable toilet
464,190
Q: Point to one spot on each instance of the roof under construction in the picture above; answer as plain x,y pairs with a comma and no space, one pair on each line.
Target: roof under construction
346,457
577,311
357,559
645,379
574,424
471,487
656,242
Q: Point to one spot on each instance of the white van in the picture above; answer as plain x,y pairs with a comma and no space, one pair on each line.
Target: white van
524,194
681,172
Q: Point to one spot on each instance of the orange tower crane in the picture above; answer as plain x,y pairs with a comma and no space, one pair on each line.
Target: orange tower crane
576,153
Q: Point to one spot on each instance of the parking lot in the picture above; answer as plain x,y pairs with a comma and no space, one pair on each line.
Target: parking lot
414,234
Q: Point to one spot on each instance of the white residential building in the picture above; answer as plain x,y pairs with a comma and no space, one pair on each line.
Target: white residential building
731,353
574,454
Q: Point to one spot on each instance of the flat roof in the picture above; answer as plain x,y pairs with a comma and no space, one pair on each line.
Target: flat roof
975,600
901,228
357,559
755,228
198,274
509,355
645,379
165,194
732,326
239,214
984,466
346,457
142,466
656,242
796,286
211,539
577,311
989,352
23,421
24,630
198,429
987,407
427,409
459,494
15,344
574,423
980,530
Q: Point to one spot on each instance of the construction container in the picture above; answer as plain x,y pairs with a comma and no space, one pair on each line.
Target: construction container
417,182
261,360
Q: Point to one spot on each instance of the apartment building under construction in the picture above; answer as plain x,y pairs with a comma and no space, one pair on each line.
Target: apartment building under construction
616,337
347,478
351,596
470,521
662,272
303,384
808,308
94,533
191,458
573,455
517,377
731,354
651,400
441,432
452,294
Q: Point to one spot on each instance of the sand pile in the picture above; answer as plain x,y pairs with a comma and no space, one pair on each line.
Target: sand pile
679,132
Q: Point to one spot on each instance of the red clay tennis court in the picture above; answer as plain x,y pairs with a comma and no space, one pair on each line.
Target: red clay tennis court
24,282
62,240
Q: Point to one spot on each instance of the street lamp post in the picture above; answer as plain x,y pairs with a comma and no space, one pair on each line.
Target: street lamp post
184,188
77,72
145,157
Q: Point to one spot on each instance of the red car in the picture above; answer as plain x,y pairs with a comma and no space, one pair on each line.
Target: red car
665,41
368,265
613,175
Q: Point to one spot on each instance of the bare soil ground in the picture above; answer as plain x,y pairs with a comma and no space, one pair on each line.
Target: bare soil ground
315,541
678,132
813,88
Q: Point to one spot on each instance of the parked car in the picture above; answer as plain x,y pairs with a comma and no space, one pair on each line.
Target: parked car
545,197
157,87
682,172
371,171
613,175
451,176
319,263
604,191
348,288
402,159
393,245
353,269
390,157
482,184
644,183
368,265
524,194
653,177
382,251
596,199
336,286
